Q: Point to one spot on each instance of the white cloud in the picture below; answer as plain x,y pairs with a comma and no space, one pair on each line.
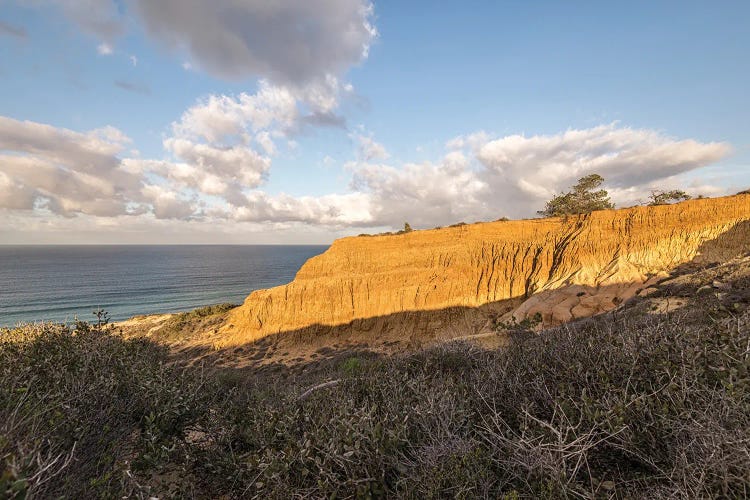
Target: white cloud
233,138
14,194
531,169
64,171
471,141
104,49
94,150
352,209
223,144
285,40
222,147
220,117
328,161
222,150
288,41
322,93
264,140
425,194
483,178
369,149
237,164
167,204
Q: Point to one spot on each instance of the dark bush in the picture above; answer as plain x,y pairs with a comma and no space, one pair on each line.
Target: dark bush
666,197
75,404
637,406
582,199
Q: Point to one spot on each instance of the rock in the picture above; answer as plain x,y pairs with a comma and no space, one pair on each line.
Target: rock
607,254
720,285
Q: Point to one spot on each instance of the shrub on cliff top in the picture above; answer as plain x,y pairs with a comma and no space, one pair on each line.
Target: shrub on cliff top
666,197
583,198
407,229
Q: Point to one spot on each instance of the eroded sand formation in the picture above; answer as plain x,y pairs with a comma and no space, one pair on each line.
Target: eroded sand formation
563,269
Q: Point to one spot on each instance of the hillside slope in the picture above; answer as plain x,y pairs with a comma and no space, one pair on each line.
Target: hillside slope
650,401
560,268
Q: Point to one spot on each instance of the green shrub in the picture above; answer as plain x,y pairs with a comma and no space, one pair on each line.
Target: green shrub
352,366
72,402
581,200
628,407
407,229
526,325
182,325
666,197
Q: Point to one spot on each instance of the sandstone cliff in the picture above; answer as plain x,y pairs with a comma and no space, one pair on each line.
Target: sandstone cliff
560,268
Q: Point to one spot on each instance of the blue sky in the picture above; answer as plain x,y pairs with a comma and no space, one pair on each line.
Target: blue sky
379,113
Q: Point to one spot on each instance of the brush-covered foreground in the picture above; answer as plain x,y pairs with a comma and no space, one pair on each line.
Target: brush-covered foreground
642,403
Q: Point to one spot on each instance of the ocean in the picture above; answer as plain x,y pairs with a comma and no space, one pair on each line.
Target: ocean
58,283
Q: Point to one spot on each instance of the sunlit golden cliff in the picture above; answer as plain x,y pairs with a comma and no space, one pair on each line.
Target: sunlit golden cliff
560,268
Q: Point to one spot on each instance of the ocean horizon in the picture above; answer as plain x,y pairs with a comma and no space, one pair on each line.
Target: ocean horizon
60,283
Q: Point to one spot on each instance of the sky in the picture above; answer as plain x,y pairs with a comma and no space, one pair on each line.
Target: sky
288,122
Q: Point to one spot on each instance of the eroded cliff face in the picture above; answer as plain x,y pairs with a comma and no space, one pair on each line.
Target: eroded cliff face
562,269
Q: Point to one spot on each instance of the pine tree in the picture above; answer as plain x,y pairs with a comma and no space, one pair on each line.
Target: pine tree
665,197
583,198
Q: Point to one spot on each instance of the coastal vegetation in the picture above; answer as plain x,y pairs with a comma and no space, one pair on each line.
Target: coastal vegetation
644,402
184,324
584,197
665,197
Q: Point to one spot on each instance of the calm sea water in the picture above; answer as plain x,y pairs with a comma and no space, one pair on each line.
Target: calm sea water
57,283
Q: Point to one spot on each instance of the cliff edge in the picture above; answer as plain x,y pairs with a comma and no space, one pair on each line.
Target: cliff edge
560,268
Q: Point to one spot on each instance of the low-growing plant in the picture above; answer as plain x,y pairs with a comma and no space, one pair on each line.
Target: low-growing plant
183,324
528,324
352,366
632,406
